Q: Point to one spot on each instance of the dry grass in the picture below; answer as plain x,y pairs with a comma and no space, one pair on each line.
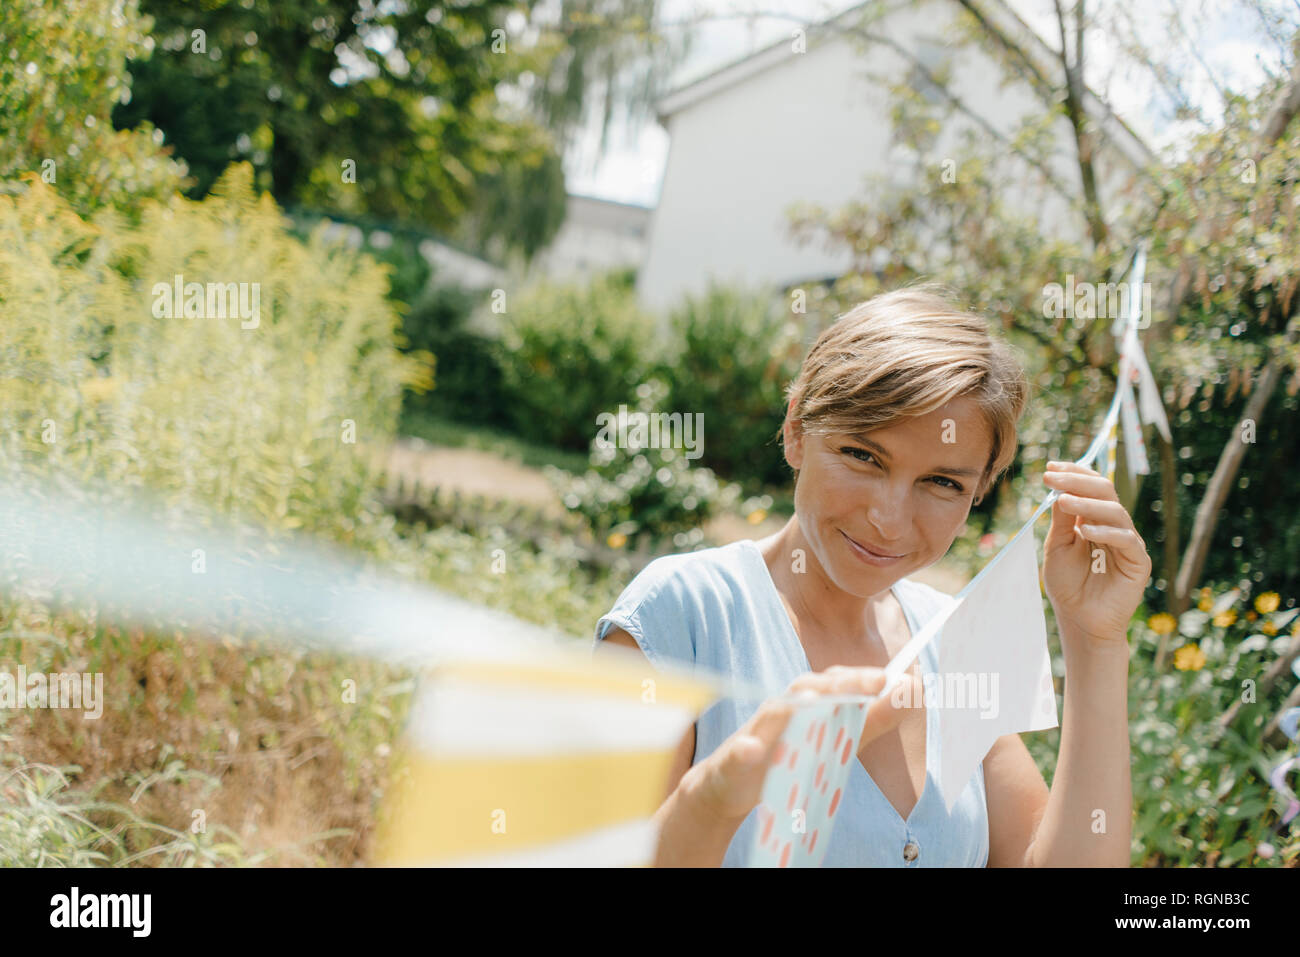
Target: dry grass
260,742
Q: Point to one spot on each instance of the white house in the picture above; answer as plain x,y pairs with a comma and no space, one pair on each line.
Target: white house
807,120
597,235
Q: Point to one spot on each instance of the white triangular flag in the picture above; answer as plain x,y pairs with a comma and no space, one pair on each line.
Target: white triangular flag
1135,450
1149,404
993,654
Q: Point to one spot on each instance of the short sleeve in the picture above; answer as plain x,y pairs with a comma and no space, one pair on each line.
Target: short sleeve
658,611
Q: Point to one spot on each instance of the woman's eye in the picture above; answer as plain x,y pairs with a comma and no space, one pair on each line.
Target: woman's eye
862,455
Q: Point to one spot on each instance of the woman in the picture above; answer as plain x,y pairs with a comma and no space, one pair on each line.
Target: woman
902,416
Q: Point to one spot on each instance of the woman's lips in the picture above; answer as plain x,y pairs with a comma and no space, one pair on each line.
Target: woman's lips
868,555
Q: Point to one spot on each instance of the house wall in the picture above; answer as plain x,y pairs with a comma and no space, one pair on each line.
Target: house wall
596,236
814,128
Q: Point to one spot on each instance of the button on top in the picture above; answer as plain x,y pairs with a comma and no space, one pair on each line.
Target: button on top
910,851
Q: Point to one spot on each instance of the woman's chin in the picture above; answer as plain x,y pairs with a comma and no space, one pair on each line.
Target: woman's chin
858,579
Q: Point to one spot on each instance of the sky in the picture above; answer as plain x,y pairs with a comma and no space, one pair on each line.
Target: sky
1230,44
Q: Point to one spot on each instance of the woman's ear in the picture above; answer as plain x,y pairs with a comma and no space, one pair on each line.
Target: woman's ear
792,437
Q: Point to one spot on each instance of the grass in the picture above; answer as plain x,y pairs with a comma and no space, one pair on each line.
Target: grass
255,742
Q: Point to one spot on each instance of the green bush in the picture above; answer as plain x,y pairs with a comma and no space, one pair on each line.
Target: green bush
99,386
63,71
468,382
733,354
636,493
569,353
1201,799
1206,799
275,423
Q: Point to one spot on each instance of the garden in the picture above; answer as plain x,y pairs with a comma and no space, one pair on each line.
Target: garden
421,426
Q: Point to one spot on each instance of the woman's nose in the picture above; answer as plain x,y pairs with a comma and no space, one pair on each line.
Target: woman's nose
890,516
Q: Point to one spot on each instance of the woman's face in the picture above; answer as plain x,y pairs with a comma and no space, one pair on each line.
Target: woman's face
902,491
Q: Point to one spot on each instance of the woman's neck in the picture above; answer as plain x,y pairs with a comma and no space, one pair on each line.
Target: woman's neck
823,611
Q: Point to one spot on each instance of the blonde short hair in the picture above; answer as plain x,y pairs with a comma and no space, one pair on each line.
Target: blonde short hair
907,353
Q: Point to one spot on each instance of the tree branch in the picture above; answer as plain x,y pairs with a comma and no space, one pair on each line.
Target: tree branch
965,110
1207,513
1283,112
1024,63
1084,138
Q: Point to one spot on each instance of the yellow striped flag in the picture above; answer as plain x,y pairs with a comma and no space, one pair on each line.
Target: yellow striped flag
522,747
557,759
1112,446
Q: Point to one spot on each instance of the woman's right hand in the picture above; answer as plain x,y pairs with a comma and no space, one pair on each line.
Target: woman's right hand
727,784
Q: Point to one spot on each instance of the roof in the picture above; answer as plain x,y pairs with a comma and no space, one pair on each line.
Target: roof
636,207
1114,129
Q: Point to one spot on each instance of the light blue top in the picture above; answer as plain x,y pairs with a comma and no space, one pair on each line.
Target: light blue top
718,609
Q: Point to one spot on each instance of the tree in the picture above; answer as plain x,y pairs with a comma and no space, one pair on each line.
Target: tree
386,110
448,115
606,56
1223,232
55,110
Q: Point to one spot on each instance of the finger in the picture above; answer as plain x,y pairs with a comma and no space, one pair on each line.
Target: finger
769,722
1109,534
814,681
1062,532
860,681
1074,467
742,761
840,679
1095,511
888,711
1077,483
1125,542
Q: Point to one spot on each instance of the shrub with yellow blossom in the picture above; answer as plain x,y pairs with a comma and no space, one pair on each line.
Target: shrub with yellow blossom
1199,798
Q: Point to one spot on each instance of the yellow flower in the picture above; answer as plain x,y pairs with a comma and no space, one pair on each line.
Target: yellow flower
1268,628
1162,624
1207,600
1189,658
1266,602
616,540
1251,616
1225,618
756,516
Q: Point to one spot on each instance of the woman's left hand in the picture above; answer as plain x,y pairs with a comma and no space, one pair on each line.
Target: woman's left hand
1095,564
